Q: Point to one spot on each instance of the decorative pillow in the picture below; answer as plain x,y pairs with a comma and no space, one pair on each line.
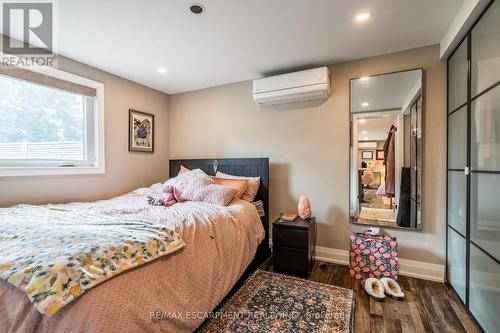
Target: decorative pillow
252,188
183,179
240,185
202,189
183,170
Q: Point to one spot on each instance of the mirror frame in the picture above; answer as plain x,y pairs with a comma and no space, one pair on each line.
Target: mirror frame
353,220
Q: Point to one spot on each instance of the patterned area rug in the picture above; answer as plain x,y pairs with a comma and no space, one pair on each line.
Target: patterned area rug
270,302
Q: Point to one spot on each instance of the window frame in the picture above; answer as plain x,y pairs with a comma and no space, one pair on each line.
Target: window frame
94,137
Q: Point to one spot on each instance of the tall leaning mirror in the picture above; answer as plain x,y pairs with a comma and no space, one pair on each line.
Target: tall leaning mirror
386,150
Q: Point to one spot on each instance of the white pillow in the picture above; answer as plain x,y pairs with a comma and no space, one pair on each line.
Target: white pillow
203,190
183,179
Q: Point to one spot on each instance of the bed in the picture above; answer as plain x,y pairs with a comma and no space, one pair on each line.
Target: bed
176,292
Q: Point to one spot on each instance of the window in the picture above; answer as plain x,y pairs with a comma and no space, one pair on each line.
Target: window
50,124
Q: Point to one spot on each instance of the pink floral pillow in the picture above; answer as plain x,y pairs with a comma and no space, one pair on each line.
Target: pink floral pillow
204,190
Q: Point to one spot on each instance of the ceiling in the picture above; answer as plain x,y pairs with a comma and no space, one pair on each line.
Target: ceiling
384,92
375,128
237,40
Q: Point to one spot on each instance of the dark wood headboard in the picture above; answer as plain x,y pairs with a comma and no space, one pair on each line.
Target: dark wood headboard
248,167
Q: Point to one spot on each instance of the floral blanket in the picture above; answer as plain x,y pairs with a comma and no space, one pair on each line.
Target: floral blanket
55,255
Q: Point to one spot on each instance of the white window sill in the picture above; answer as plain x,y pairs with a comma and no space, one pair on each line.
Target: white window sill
50,171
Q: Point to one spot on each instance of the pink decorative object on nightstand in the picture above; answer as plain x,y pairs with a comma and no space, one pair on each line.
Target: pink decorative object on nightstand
304,207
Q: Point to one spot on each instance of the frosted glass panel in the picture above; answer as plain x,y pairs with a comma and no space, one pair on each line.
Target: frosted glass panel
484,292
457,139
457,83
485,135
485,212
456,262
485,52
457,200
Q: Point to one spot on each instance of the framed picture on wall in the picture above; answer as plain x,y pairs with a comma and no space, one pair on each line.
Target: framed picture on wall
367,155
380,155
141,131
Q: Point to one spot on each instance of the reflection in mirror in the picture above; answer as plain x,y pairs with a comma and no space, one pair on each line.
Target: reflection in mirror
386,150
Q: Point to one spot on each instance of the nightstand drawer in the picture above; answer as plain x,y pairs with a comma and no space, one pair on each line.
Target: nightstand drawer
286,259
293,246
291,237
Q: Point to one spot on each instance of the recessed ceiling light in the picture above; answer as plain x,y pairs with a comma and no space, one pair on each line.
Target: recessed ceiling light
161,70
362,121
364,132
196,8
365,104
364,78
361,17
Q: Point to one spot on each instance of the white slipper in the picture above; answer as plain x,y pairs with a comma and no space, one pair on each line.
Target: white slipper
374,288
392,288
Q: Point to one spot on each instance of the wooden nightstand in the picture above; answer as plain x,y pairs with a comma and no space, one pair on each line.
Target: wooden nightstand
293,246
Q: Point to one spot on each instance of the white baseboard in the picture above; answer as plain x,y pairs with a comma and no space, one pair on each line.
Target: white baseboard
332,255
416,269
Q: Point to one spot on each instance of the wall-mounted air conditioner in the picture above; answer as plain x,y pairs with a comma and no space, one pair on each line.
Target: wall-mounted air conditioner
300,86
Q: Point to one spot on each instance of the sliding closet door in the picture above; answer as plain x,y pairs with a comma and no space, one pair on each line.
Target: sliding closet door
484,286
457,163
473,228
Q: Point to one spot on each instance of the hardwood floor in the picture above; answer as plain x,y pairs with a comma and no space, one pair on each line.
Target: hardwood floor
428,306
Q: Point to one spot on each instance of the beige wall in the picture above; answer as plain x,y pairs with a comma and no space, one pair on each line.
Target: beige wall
124,170
308,146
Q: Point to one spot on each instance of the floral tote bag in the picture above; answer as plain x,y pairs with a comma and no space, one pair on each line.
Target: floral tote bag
373,256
